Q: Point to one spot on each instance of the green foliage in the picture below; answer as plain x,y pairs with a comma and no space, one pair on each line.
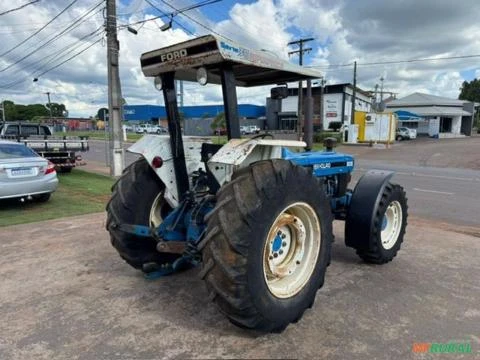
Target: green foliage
470,90
58,110
78,193
15,112
219,121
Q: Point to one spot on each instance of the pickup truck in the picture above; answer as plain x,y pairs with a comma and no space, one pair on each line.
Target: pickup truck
249,129
150,129
61,151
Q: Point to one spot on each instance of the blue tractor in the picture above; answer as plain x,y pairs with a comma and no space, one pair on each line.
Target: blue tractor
254,214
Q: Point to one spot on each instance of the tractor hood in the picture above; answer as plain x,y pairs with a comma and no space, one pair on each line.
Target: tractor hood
251,67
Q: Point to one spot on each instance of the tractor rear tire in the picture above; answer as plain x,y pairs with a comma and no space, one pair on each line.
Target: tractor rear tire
389,225
134,195
251,262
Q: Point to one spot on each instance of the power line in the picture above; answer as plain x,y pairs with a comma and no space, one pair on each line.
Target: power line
171,15
67,49
8,86
397,61
36,32
20,7
69,28
196,21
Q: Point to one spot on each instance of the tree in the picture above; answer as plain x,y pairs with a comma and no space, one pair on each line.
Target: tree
58,110
218,122
470,91
15,112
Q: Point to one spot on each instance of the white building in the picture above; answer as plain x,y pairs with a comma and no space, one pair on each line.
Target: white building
442,117
336,105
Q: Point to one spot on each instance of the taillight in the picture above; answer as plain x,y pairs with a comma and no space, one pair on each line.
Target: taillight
50,168
157,162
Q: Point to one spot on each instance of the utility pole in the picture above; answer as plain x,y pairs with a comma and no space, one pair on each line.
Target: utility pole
3,112
49,106
114,91
322,109
352,116
300,53
381,88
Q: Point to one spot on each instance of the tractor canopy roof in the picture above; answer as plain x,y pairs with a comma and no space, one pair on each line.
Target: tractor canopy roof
251,67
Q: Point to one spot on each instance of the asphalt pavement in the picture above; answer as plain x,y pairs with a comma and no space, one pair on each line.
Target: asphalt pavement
66,294
442,194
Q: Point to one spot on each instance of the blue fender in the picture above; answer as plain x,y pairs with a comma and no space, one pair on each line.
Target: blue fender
363,206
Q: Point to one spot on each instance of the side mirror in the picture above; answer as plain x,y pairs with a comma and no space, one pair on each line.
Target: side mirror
279,92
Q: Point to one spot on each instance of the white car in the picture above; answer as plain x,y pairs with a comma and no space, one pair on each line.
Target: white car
249,129
150,129
24,174
404,133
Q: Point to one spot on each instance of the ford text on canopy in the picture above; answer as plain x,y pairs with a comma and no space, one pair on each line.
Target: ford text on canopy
250,67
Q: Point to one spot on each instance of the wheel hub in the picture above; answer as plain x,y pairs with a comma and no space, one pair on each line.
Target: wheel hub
291,250
391,225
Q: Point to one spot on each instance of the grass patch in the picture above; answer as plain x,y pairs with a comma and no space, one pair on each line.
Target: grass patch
78,193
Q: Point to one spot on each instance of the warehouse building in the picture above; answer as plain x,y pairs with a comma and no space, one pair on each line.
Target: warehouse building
438,116
334,105
197,118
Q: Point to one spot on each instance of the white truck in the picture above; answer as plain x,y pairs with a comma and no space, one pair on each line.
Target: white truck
150,129
62,151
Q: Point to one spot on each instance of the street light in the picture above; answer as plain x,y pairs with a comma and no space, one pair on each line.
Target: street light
166,26
132,30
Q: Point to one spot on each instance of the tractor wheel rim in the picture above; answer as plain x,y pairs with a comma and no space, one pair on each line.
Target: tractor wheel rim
155,218
391,225
291,250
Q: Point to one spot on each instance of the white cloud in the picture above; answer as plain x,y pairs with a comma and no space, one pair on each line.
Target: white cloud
344,31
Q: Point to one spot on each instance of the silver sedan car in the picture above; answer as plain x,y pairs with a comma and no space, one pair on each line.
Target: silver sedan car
24,174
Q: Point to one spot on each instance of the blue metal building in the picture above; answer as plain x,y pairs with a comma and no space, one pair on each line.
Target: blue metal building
144,113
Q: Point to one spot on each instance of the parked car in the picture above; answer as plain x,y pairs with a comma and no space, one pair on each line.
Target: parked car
24,174
62,151
254,129
404,133
249,129
151,129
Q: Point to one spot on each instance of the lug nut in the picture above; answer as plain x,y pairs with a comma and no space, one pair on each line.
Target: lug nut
280,252
275,255
284,244
270,257
298,262
284,236
279,233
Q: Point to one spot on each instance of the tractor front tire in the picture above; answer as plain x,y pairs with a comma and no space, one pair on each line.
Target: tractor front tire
137,199
267,245
389,225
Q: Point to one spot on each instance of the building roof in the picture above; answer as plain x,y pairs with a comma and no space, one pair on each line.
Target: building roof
420,99
437,110
155,112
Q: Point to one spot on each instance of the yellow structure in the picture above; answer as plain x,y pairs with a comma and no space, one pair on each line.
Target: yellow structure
375,127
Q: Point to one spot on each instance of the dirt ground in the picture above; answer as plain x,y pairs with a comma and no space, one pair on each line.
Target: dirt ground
65,294
455,153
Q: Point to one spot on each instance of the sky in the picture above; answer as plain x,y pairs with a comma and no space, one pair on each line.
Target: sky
344,31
